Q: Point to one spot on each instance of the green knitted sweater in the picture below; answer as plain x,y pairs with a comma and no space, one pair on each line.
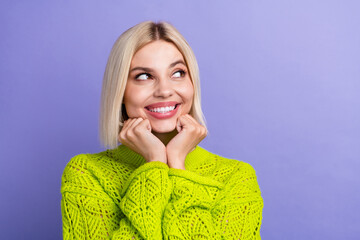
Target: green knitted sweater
116,194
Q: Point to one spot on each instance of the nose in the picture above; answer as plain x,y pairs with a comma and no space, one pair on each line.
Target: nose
163,88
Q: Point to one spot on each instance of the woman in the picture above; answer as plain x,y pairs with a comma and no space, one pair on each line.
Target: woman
158,184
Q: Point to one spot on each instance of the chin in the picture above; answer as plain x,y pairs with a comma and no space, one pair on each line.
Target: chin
163,128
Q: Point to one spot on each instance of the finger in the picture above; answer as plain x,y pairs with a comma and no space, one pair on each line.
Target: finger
198,128
126,124
184,122
135,122
131,131
126,128
144,125
203,130
128,133
123,130
131,124
178,125
192,119
134,127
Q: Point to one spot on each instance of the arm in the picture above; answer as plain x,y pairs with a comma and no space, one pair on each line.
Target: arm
91,212
203,208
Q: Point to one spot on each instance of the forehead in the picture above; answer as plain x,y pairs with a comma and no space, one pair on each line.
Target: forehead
156,53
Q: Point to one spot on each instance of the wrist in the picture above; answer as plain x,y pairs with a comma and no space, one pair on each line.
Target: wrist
159,159
182,167
176,163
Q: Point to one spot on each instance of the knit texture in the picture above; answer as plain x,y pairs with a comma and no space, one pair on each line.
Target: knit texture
116,194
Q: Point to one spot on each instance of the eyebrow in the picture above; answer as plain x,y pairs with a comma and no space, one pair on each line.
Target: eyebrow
150,70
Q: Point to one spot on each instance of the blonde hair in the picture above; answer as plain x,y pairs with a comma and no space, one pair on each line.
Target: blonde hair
112,110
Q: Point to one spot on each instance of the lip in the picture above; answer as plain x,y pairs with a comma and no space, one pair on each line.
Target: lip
162,104
159,115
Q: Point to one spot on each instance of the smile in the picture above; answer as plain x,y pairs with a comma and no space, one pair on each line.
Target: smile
162,109
163,112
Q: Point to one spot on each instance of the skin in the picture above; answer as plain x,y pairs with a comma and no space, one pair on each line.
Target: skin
158,73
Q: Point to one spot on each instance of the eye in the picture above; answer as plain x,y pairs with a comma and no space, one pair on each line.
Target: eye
143,76
179,74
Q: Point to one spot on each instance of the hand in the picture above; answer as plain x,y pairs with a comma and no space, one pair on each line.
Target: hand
136,134
190,134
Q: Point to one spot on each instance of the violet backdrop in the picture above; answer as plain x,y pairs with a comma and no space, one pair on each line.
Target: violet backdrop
280,86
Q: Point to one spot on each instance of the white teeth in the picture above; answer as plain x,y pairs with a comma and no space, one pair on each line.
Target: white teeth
162,109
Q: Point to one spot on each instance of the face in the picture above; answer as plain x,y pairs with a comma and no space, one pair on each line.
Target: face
159,87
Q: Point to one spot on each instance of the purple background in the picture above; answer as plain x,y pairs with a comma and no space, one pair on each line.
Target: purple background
280,90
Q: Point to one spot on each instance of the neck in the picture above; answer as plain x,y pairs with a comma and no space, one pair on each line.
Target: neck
165,137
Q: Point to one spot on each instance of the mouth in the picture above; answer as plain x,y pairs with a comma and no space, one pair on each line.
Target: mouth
162,109
162,112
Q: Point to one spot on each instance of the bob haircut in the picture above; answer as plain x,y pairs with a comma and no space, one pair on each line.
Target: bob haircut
112,110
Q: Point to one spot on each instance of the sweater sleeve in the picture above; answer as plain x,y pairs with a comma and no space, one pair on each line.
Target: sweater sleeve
90,212
203,208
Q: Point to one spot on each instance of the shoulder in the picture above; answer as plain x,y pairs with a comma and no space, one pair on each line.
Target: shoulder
86,162
237,168
92,173
224,168
77,165
239,179
242,180
104,162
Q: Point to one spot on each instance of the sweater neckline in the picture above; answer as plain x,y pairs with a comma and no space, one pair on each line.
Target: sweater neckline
195,158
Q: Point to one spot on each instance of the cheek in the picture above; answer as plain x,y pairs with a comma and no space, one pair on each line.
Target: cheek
187,93
133,100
